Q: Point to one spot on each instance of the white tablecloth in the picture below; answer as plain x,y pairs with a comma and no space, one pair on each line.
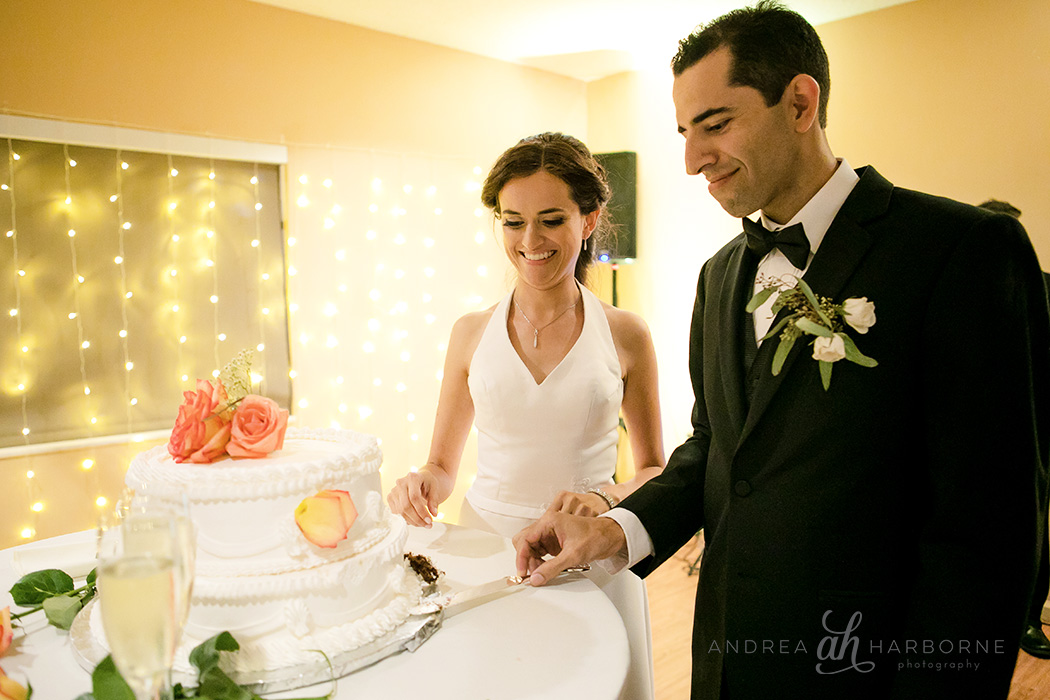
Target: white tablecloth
562,642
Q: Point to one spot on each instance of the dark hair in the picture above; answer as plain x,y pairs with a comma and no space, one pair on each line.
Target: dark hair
569,160
769,45
1001,207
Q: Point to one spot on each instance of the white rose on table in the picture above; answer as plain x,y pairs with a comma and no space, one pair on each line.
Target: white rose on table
859,313
830,349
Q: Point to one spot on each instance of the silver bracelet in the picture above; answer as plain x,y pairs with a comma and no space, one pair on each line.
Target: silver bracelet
605,497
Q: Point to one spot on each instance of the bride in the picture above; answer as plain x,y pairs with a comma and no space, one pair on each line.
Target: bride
545,373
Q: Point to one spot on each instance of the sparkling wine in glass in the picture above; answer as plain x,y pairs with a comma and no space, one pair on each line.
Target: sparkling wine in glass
176,507
138,598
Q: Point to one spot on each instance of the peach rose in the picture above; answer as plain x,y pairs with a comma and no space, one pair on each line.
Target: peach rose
9,689
258,427
200,434
325,518
6,633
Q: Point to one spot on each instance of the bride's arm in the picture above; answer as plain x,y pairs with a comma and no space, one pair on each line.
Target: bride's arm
416,495
641,400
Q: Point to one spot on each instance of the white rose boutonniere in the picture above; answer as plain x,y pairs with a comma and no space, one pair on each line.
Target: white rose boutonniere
859,313
819,317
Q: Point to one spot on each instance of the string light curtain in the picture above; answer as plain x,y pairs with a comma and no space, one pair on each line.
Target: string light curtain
126,276
385,252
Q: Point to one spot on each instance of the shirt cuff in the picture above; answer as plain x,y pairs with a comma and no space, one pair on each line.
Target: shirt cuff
639,544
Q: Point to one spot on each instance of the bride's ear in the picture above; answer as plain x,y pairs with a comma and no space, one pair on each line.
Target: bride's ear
590,222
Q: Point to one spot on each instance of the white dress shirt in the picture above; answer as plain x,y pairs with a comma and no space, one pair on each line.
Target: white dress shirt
816,217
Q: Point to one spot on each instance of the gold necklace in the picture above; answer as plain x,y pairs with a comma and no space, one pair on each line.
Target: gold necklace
535,330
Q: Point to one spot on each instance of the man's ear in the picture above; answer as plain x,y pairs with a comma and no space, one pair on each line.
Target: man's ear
802,99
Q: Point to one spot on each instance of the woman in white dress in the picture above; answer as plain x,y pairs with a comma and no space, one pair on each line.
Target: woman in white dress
545,374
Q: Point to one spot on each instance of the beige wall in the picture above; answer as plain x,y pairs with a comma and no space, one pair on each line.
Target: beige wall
337,96
238,69
950,97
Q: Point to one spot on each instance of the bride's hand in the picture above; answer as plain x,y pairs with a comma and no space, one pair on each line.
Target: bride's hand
586,504
413,498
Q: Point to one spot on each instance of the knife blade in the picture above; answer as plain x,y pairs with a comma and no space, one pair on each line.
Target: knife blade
476,595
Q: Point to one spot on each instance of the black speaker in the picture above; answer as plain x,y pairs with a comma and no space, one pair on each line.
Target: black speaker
621,168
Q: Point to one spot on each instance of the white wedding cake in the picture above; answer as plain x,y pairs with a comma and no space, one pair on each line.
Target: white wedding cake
258,577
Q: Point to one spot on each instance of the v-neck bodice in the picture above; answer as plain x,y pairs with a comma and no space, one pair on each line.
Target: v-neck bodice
535,440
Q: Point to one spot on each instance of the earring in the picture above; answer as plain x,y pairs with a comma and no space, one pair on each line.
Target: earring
585,244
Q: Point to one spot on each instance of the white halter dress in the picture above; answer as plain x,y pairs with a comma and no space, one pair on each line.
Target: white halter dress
535,440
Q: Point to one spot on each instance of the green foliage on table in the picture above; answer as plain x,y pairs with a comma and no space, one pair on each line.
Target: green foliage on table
53,591
212,681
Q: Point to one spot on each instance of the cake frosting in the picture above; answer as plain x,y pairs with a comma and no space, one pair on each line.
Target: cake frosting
257,576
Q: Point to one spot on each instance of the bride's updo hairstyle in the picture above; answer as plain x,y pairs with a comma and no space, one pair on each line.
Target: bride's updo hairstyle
566,158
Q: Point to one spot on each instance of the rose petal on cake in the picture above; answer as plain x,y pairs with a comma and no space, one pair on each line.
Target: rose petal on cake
346,504
321,519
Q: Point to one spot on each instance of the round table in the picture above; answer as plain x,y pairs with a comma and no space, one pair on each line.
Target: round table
566,641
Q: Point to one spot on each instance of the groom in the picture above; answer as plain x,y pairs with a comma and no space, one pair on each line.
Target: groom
873,538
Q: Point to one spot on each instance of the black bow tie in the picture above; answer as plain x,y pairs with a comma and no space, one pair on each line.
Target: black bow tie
790,241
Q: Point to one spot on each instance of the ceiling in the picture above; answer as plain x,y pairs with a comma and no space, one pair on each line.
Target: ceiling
583,39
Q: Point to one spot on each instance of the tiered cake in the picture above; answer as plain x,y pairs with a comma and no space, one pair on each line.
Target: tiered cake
257,576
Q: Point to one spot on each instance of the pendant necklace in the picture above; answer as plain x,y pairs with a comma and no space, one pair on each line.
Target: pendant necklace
535,330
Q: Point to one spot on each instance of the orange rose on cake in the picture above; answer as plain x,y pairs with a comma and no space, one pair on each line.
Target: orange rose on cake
257,428
200,433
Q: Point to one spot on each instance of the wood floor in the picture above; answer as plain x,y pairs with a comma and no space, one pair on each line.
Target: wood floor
671,594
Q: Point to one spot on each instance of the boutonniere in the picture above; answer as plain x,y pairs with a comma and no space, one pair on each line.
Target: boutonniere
819,317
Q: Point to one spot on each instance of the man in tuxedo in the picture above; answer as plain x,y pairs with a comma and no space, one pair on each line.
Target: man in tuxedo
1033,640
875,537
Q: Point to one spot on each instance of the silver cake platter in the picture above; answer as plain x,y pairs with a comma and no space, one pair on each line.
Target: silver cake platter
420,626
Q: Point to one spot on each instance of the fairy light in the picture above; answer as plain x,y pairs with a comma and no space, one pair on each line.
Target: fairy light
176,290
122,165
16,312
214,258
259,267
82,344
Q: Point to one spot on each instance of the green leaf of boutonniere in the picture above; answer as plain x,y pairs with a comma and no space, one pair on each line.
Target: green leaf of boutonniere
825,373
855,355
779,327
812,298
759,299
807,326
781,354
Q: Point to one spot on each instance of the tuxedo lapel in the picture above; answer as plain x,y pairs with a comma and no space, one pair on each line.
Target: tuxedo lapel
737,286
841,251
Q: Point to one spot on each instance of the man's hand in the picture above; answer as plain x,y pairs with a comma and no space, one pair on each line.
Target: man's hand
570,540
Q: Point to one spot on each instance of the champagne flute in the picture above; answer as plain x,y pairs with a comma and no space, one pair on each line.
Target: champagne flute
176,507
137,594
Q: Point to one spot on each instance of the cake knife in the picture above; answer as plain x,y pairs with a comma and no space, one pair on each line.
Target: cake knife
476,595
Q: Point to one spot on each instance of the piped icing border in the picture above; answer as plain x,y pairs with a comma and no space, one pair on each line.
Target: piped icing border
285,649
154,471
332,574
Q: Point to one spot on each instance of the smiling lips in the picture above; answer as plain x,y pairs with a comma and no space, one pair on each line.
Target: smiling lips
536,257
715,182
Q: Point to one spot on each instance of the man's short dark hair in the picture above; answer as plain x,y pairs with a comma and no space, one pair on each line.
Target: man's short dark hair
1001,207
769,44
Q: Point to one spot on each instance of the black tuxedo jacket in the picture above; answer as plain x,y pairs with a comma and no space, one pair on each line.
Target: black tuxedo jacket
877,539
